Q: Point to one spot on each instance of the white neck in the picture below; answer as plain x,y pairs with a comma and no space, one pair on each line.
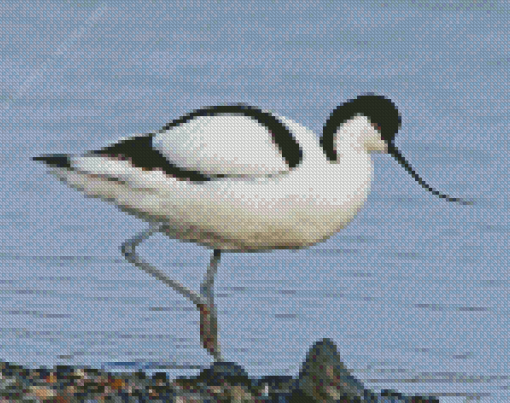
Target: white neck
358,135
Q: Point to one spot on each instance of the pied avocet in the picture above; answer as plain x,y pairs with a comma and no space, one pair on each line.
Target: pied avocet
236,178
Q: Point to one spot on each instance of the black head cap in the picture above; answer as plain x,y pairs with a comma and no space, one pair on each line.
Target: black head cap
382,112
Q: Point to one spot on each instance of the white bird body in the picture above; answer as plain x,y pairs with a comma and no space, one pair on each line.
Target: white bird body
235,178
258,210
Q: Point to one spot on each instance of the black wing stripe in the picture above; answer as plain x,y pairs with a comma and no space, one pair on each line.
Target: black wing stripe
55,160
139,152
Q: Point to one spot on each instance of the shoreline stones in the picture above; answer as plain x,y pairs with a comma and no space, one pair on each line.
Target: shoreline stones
323,378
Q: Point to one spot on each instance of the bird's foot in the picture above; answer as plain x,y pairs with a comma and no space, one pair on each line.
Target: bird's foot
209,330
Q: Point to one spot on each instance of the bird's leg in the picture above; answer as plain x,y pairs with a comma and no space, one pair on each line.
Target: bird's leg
208,314
128,250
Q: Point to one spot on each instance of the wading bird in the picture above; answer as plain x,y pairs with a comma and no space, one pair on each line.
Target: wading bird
235,178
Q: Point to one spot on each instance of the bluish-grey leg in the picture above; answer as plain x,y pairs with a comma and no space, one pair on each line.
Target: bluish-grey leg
205,304
208,316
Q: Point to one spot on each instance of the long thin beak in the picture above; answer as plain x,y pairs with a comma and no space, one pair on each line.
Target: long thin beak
395,153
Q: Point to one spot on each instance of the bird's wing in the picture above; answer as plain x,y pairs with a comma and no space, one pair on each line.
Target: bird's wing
229,141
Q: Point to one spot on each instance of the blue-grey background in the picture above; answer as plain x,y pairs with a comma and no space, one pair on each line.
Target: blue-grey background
415,292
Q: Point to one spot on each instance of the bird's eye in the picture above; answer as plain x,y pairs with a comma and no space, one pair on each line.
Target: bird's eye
376,126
